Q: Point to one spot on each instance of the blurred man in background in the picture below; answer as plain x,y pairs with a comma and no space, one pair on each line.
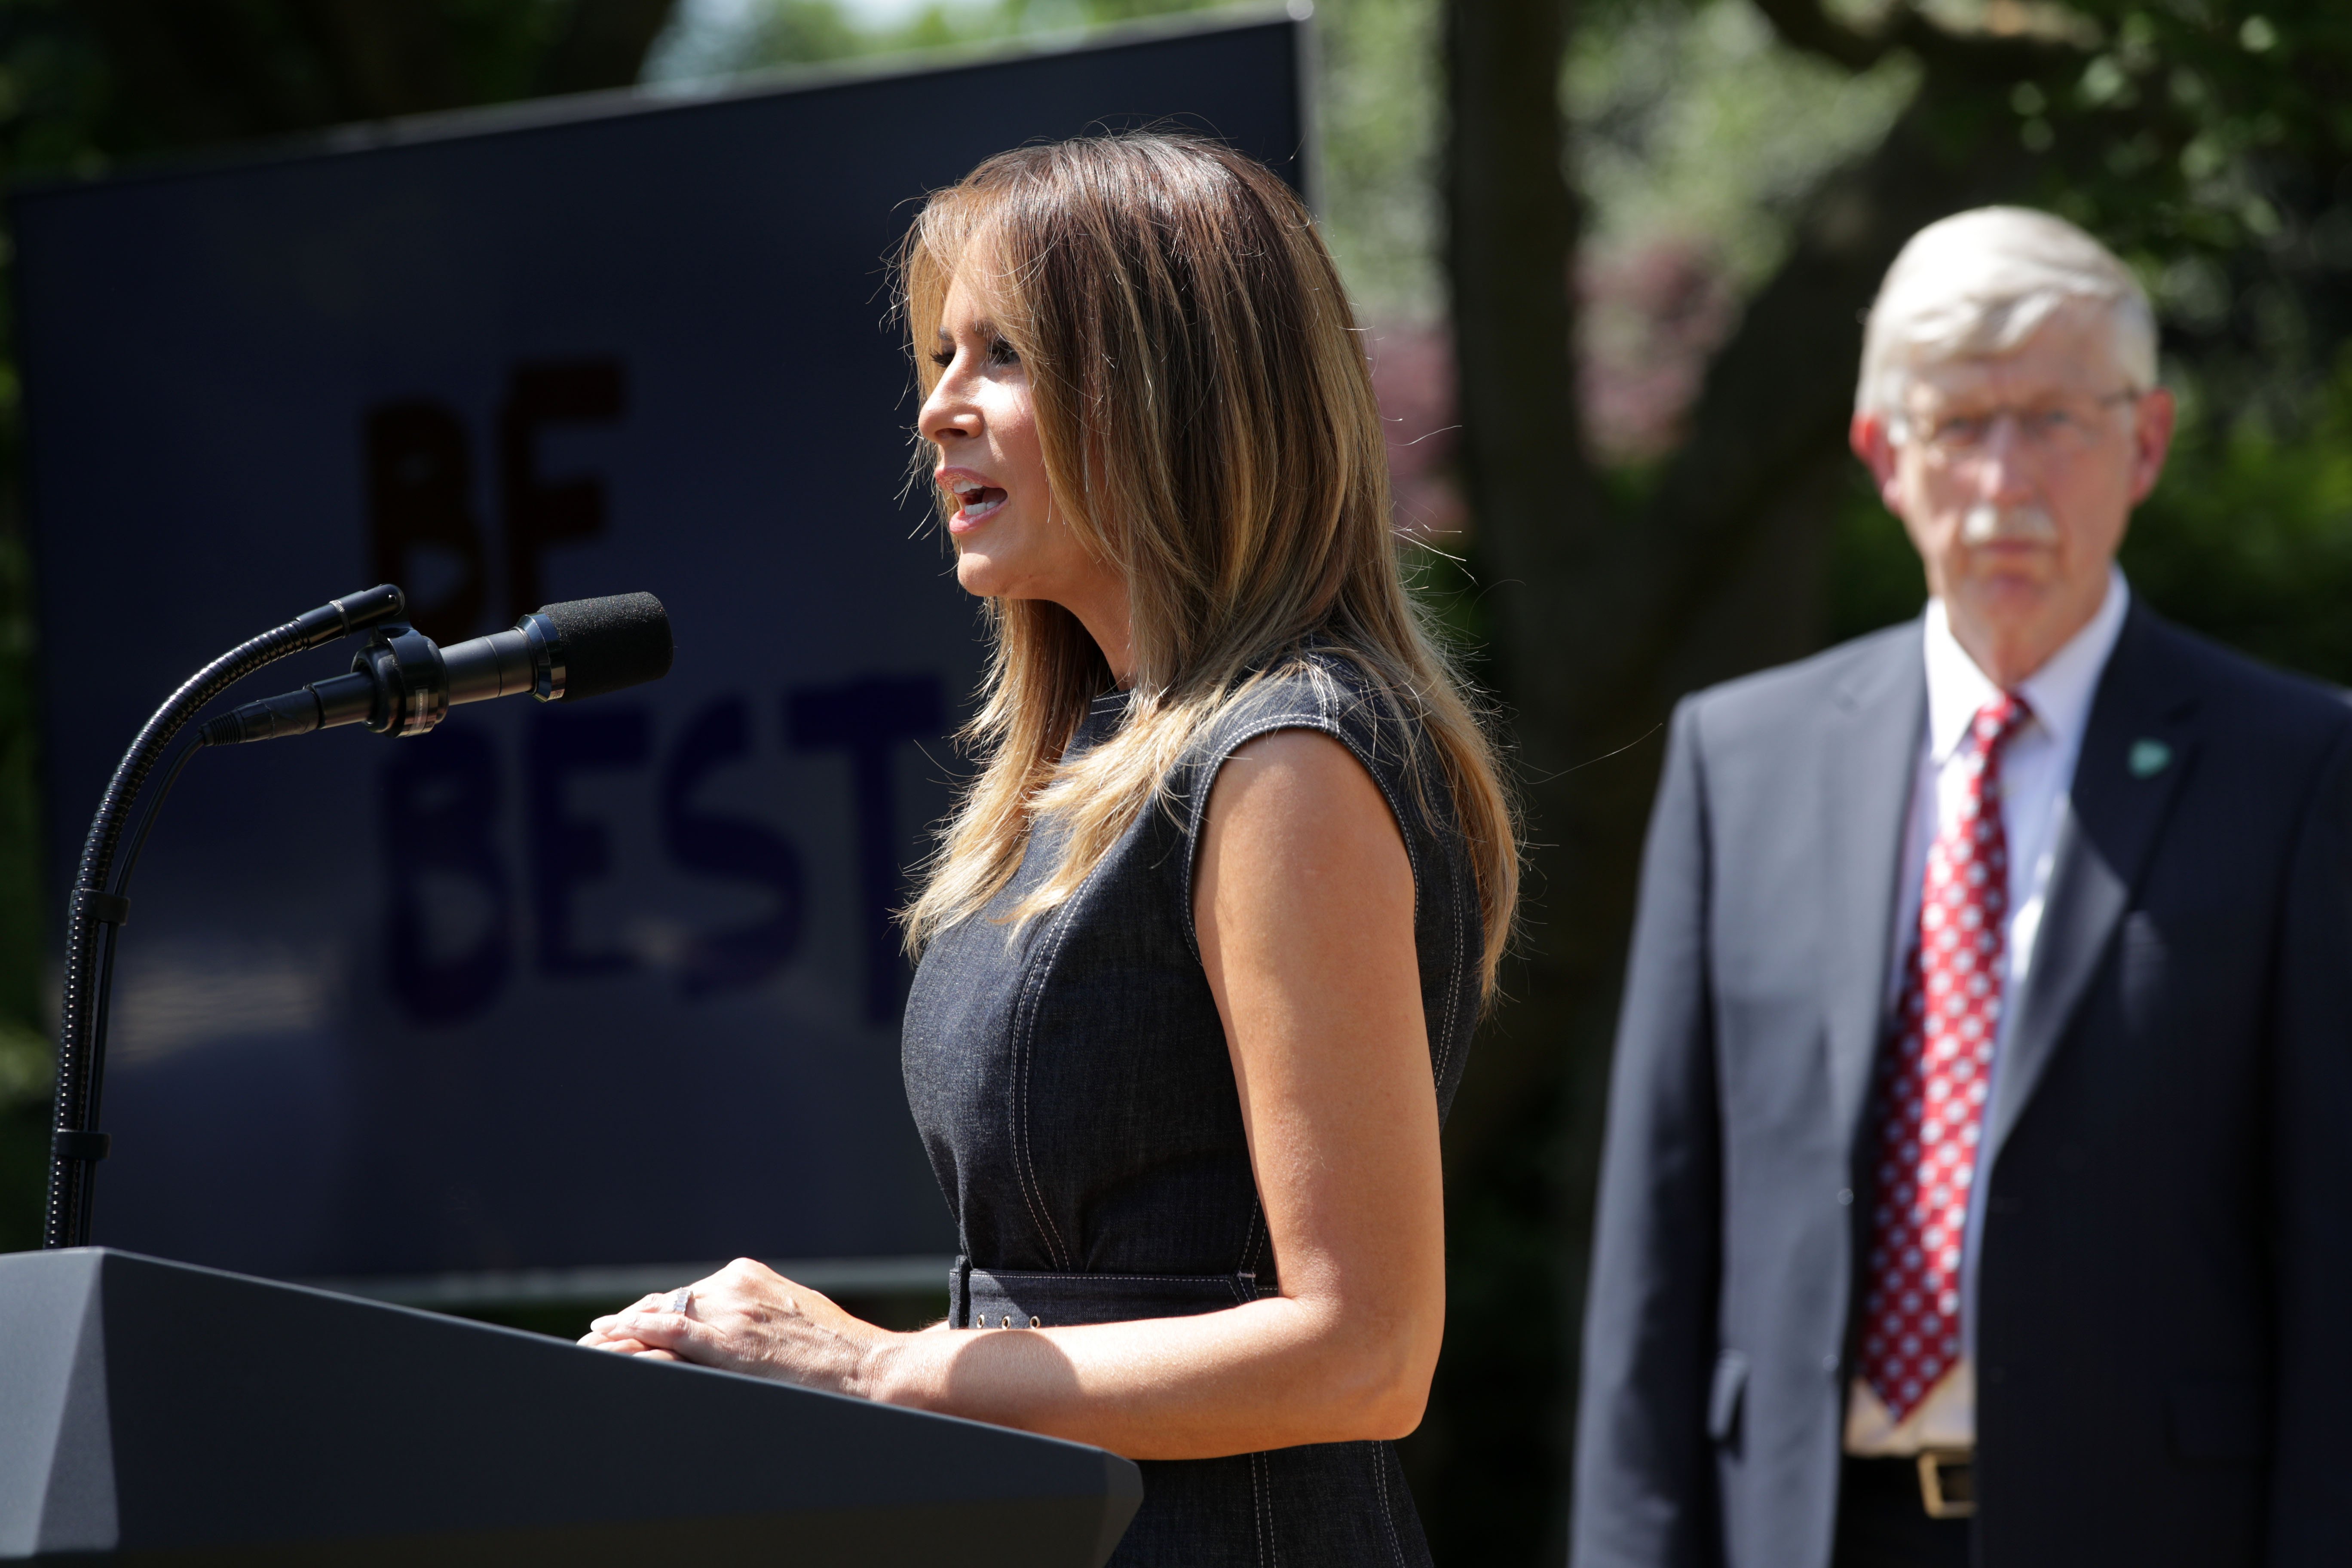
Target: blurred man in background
1979,1180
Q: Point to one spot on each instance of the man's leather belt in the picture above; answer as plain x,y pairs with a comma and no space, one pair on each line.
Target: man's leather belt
1941,1482
1947,1483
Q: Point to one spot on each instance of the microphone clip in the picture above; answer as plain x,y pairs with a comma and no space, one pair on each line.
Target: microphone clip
408,681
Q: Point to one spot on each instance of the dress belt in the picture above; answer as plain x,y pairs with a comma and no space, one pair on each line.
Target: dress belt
1016,1299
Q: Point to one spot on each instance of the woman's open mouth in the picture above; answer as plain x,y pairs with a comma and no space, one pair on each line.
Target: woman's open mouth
974,504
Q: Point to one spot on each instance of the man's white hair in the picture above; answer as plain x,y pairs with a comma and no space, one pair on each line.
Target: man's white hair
1977,284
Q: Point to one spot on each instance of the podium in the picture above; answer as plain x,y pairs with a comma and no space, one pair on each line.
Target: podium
159,1412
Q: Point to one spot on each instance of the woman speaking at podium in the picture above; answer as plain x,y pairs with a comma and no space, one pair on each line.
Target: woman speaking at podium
1202,944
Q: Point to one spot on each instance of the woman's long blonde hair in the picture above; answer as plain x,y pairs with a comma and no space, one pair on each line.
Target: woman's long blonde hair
1209,429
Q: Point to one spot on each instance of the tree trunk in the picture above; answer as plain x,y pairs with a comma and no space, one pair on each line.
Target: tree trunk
1494,1444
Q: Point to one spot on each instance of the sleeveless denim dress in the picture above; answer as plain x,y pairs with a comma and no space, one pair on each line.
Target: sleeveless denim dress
1073,1085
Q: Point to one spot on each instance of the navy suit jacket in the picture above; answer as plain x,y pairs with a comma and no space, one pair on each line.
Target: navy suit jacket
2164,1317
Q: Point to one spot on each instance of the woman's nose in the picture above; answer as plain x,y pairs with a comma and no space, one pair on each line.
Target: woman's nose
947,416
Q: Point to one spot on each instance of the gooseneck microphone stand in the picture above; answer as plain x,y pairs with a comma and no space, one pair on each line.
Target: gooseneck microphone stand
75,1146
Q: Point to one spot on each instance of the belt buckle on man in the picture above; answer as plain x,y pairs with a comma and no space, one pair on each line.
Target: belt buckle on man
1947,1483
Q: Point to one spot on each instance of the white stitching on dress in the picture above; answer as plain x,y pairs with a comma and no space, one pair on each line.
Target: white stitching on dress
1025,1168
1262,1483
1453,981
1388,1509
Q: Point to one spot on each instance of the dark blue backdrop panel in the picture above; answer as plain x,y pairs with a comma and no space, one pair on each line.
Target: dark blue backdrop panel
550,986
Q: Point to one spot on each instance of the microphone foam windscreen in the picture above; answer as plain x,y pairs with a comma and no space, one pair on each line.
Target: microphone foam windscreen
610,643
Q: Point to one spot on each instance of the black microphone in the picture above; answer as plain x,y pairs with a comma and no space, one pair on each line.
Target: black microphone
403,683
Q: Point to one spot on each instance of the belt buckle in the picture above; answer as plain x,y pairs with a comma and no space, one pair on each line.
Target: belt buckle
1947,1483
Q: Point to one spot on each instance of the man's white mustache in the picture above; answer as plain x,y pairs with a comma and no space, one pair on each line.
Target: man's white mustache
1988,525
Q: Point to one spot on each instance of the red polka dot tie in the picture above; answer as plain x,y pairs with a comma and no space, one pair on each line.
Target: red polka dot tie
1932,1096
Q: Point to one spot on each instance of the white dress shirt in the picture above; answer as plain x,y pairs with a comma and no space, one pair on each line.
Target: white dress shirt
2037,770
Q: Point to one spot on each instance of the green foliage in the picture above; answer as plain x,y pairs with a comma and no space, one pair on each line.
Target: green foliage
2248,538
1874,576
816,32
1380,103
2205,140
88,82
808,32
54,84
1692,123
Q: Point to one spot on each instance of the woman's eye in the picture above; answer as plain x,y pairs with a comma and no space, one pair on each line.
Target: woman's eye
943,357
1002,353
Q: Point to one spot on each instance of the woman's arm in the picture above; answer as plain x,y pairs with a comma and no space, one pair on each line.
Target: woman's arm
1304,902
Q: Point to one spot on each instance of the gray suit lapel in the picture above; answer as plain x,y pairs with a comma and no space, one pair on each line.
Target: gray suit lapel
1872,751
2136,749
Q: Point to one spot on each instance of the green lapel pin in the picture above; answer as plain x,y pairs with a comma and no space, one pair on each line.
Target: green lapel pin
2149,758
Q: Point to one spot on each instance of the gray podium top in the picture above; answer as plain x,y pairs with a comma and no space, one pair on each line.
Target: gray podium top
155,1412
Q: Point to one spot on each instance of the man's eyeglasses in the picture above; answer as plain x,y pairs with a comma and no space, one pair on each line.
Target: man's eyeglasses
2066,426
